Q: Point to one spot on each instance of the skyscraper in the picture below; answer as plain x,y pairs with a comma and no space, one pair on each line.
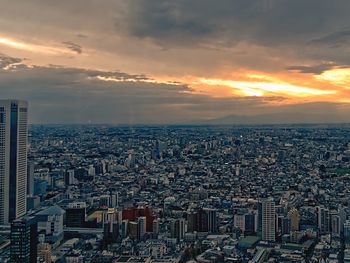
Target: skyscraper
24,240
13,159
268,220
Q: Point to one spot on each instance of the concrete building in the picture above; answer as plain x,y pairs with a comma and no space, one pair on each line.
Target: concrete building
50,223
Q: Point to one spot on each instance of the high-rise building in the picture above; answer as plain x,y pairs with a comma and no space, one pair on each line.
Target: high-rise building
13,159
212,220
69,178
24,240
249,223
323,219
76,214
284,224
156,225
110,225
191,221
294,217
133,230
178,227
202,221
133,213
268,220
141,229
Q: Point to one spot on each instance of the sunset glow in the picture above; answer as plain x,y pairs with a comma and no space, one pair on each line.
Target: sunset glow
201,58
265,88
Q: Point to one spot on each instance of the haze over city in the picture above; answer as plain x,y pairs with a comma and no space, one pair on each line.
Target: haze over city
163,61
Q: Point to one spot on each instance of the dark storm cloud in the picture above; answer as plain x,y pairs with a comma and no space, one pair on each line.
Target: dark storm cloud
262,21
316,69
6,61
336,39
73,46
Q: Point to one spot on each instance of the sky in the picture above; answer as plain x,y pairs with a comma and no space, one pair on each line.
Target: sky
177,61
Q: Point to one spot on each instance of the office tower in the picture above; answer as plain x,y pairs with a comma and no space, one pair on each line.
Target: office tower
44,253
178,228
212,220
268,220
76,214
69,178
156,225
284,224
294,217
110,225
192,221
249,223
133,230
24,240
141,227
13,159
323,219
30,178
202,221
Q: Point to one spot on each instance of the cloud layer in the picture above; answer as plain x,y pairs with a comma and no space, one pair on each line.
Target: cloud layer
173,61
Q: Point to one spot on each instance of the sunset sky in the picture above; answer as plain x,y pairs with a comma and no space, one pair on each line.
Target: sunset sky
177,61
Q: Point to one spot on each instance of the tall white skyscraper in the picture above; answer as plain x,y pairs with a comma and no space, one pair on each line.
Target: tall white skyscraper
13,159
268,220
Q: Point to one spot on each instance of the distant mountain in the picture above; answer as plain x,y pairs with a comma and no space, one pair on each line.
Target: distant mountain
279,118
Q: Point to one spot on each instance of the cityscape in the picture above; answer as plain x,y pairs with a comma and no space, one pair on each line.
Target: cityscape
175,131
104,193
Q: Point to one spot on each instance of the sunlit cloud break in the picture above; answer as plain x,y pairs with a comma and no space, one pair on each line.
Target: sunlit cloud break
260,88
33,47
340,77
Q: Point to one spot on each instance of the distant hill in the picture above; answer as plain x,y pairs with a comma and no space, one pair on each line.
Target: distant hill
278,118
